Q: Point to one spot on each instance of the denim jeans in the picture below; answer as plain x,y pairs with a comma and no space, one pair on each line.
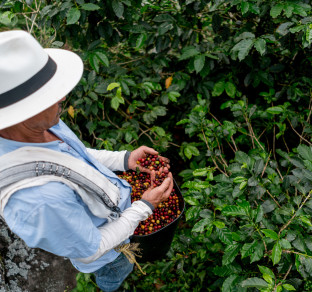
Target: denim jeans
110,277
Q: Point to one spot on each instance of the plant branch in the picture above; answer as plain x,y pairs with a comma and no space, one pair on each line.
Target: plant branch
266,164
214,162
233,141
274,199
284,278
298,133
292,218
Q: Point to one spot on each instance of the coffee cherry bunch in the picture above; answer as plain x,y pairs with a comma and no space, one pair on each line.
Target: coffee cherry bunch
165,212
152,162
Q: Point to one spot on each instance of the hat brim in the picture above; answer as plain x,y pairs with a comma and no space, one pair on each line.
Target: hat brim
68,74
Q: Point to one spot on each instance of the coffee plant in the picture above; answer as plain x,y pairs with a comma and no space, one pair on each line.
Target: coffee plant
223,89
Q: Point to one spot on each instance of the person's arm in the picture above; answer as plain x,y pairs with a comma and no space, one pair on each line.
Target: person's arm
51,218
113,160
124,160
114,233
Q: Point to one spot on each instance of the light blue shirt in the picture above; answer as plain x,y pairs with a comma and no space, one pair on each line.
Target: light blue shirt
52,216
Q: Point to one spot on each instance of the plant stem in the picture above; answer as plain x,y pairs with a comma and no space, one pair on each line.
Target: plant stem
274,199
292,218
281,283
302,138
233,141
266,164
215,163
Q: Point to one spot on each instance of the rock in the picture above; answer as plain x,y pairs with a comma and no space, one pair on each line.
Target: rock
24,269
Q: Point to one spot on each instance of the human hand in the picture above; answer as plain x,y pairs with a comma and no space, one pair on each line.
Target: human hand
161,193
140,153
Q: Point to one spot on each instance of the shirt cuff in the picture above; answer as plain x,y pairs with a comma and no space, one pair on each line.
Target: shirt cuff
148,204
126,160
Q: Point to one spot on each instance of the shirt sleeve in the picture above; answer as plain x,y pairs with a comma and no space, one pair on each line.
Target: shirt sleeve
51,218
113,160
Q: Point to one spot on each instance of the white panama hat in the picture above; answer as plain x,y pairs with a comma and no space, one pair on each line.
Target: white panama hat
32,78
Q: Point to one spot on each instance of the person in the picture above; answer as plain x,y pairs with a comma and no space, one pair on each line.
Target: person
52,215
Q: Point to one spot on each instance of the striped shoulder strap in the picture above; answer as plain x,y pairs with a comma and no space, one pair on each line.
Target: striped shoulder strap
38,165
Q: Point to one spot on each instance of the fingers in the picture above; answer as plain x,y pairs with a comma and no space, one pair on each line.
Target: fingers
164,159
166,185
152,178
149,150
170,187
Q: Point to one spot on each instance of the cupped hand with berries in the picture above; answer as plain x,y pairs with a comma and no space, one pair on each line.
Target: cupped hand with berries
156,195
139,156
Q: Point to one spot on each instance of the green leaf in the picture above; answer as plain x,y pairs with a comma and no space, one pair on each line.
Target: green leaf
90,6
285,244
94,62
103,58
260,45
270,233
199,63
267,278
192,212
93,95
248,249
244,7
243,48
112,86
201,225
230,253
305,151
219,224
224,235
201,171
229,283
6,18
118,8
230,89
266,270
128,137
115,103
258,253
239,179
233,211
190,151
275,110
192,201
258,167
218,88
73,15
242,185
226,270
276,253
259,214
276,10
160,131
254,282
140,40
164,28
188,53
289,287
173,95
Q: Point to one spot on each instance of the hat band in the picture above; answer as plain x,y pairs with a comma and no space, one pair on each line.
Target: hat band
30,86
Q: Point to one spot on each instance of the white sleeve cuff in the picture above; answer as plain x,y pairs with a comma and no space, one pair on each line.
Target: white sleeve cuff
114,160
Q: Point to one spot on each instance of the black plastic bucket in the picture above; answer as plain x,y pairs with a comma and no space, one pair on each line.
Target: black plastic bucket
155,246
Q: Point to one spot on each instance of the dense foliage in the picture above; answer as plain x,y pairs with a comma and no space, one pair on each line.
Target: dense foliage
222,88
